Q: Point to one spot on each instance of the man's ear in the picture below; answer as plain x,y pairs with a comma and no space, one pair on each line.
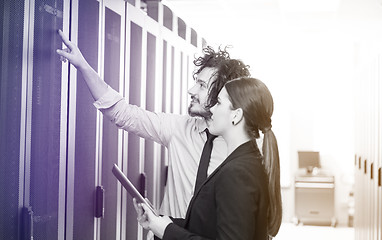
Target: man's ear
238,115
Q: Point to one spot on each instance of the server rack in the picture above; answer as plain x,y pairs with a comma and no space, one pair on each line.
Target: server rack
368,156
55,160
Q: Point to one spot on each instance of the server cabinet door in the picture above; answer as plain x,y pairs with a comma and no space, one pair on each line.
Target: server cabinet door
134,142
110,136
11,84
96,152
46,125
165,93
150,105
83,221
150,158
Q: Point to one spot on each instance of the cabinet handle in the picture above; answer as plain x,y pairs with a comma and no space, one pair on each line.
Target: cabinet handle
365,166
314,212
372,171
359,163
99,206
143,186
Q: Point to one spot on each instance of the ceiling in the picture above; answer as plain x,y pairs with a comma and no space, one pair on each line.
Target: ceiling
227,20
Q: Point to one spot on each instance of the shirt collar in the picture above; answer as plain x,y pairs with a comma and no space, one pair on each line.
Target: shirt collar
201,124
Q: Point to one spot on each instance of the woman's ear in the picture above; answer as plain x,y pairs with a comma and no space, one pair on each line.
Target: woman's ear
238,115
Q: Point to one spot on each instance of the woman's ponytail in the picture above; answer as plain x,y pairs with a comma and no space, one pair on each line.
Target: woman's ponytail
272,166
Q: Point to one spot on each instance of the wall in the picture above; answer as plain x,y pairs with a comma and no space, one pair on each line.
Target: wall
311,80
310,63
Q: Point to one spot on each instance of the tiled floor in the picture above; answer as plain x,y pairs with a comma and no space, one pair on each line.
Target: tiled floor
289,231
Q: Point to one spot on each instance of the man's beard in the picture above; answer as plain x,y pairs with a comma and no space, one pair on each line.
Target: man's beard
206,114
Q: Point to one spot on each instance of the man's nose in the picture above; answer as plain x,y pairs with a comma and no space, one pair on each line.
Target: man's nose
192,91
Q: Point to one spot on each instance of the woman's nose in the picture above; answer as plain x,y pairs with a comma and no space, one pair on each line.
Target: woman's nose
212,109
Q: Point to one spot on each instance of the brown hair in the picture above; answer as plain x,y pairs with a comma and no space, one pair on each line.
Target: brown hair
254,98
226,69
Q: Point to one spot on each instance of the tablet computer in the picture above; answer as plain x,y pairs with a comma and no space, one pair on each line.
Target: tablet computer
130,188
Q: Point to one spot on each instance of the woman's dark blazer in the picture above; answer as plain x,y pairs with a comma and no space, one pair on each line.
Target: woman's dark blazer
231,204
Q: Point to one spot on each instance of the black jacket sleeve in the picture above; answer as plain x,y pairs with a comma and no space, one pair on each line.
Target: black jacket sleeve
236,197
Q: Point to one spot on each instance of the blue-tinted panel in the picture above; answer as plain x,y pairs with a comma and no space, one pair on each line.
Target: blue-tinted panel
194,38
46,114
110,131
132,2
163,177
133,145
164,75
150,105
181,28
84,182
167,17
181,110
11,40
172,78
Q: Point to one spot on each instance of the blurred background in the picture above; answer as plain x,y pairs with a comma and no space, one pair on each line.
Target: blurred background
311,54
322,61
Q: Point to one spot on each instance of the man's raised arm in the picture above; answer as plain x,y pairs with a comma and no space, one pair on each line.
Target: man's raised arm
94,82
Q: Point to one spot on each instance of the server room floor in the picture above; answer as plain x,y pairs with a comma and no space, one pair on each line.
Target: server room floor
290,231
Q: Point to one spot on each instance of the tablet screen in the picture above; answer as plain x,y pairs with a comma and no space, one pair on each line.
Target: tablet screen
130,187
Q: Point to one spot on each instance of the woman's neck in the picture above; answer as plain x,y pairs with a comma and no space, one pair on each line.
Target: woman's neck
235,139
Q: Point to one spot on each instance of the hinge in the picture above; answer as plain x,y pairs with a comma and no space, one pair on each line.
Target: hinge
51,10
99,202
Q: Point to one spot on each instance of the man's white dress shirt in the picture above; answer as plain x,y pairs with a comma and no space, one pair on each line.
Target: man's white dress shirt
182,135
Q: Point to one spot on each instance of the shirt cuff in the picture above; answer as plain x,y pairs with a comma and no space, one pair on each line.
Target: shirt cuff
110,98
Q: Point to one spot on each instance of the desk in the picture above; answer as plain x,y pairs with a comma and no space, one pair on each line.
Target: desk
314,198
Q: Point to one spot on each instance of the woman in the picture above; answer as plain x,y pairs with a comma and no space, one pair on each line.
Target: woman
241,199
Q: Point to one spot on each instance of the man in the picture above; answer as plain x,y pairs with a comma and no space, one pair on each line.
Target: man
183,136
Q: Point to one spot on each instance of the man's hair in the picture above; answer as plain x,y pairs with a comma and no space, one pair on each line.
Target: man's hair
227,69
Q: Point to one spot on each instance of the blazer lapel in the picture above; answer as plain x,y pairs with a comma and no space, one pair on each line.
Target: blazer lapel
242,149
